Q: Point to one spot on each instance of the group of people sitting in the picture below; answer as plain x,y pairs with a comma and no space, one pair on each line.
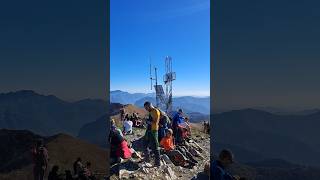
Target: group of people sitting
41,163
80,172
135,118
131,121
163,135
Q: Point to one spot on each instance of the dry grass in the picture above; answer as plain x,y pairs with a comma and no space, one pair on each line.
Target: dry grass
63,151
129,109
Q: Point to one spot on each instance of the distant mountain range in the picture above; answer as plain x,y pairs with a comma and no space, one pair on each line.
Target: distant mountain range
257,135
47,115
188,103
96,132
123,97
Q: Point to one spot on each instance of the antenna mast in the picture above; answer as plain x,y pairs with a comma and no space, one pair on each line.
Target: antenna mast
168,78
164,99
156,87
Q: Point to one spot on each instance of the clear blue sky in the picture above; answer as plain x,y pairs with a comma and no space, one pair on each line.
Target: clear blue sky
143,28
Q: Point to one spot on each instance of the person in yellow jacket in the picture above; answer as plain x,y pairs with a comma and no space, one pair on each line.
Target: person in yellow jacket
151,135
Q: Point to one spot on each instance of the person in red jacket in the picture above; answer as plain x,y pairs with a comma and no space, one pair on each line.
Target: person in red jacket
119,147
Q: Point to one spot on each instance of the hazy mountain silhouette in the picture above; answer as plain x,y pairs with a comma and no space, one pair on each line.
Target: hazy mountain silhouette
189,103
290,137
96,132
47,115
123,97
198,117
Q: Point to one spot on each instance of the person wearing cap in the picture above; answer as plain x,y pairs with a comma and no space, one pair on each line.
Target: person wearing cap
218,168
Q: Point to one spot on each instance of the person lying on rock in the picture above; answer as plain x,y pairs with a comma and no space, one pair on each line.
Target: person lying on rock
177,154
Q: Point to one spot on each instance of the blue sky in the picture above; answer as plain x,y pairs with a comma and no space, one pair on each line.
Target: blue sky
142,29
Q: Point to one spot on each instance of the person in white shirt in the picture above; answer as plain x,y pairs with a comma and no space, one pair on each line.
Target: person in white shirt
127,126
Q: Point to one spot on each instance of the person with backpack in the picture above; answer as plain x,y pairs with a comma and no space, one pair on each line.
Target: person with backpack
163,124
151,135
40,158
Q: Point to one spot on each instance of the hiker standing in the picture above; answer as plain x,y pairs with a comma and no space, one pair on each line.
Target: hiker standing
40,157
151,135
122,113
77,166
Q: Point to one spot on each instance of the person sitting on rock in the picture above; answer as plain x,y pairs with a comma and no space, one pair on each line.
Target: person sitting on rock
127,127
178,155
53,174
184,131
119,146
176,120
68,175
218,168
114,127
87,172
138,120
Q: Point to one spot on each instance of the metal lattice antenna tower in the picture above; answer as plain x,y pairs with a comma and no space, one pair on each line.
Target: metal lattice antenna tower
168,78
